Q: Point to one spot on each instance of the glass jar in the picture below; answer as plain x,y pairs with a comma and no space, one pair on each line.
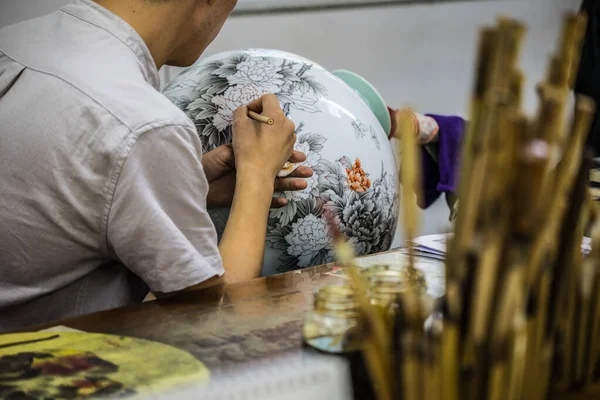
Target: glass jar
334,325
387,283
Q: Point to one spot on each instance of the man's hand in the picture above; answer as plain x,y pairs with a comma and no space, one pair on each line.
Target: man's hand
260,150
218,163
219,167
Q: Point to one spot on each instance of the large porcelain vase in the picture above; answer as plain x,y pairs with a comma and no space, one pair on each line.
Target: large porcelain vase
342,126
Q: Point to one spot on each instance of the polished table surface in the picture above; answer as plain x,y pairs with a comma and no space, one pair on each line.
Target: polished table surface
228,325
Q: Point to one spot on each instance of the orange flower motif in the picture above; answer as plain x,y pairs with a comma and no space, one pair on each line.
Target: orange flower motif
358,179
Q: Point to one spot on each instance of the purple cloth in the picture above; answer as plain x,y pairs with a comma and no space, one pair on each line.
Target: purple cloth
442,176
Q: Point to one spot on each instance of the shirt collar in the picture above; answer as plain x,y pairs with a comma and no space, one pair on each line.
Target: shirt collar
94,14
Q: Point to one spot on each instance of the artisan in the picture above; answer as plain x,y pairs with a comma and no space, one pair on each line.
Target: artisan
104,186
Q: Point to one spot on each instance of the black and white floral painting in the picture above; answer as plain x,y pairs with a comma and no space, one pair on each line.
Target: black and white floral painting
365,209
231,82
361,130
368,217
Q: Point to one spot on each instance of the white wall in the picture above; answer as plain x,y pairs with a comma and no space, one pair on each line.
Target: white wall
418,55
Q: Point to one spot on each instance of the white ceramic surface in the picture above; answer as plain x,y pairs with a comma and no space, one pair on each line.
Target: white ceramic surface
335,128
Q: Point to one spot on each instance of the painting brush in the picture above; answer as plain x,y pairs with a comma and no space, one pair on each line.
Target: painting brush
501,48
593,328
434,385
559,71
499,135
492,224
413,338
582,277
411,180
540,274
471,158
517,84
569,311
594,334
400,327
591,206
564,60
450,364
545,369
582,120
409,355
412,349
411,373
548,130
545,245
462,257
260,118
376,348
586,285
430,378
540,150
517,358
493,92
576,25
544,280
497,385
500,185
529,380
562,305
510,300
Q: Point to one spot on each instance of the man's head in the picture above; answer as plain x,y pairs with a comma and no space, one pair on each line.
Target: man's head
205,21
176,31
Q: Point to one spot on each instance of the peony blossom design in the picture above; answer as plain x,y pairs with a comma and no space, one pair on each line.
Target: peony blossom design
223,85
311,145
309,237
368,218
358,179
265,73
232,99
364,208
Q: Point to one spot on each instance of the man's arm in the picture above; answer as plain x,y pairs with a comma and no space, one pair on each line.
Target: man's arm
158,225
260,151
243,242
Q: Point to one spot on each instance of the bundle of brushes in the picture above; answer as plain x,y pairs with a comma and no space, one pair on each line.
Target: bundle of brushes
521,315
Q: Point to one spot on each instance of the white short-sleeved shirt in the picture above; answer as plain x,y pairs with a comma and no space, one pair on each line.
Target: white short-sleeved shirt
102,191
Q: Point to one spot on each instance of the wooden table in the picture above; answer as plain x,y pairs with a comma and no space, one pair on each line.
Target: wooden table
230,325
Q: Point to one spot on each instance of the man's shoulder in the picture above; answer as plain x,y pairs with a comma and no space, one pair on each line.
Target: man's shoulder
132,103
93,66
141,108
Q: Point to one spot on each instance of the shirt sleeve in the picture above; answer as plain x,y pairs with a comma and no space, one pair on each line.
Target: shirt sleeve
158,224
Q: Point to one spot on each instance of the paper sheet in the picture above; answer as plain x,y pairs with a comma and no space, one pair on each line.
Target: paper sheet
290,377
434,246
60,328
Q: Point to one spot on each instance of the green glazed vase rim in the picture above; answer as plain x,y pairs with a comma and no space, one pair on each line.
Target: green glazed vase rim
369,95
